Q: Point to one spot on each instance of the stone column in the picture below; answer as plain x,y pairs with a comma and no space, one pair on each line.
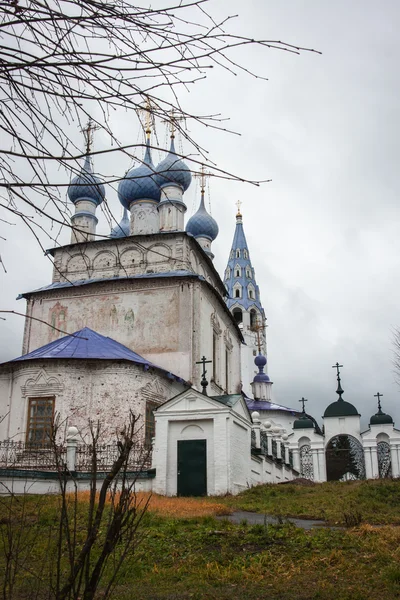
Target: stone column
286,454
374,462
256,427
322,464
269,444
314,454
296,460
368,463
394,456
278,448
72,442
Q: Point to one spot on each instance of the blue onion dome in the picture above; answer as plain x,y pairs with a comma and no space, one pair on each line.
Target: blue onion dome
122,229
202,224
172,170
139,183
86,185
260,361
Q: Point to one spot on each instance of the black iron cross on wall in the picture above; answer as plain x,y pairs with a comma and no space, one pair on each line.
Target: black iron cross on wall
204,382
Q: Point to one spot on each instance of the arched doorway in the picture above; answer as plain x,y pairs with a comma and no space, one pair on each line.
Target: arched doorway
384,458
306,462
344,458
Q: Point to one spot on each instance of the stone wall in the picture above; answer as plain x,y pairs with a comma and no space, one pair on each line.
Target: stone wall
103,391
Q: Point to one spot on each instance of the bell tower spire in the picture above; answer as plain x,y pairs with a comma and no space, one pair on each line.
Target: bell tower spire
244,301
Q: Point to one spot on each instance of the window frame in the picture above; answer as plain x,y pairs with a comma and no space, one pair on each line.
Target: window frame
33,422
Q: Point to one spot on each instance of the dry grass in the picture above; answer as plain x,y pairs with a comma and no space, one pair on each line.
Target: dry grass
174,507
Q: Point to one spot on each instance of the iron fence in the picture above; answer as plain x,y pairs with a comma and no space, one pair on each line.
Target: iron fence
27,456
106,455
19,455
274,449
264,443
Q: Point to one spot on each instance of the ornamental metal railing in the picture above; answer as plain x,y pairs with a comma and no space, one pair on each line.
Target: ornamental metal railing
106,455
274,449
264,443
34,457
40,457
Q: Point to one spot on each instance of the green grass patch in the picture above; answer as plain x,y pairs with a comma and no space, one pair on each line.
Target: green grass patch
204,558
375,501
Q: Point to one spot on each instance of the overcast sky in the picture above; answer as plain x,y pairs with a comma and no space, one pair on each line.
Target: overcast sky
324,234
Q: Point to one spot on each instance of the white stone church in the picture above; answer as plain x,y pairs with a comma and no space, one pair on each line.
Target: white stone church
130,319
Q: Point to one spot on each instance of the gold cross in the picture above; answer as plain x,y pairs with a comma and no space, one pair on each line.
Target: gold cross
88,134
145,111
259,326
172,121
238,204
202,176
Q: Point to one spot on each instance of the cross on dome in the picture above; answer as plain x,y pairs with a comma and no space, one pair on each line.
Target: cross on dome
303,401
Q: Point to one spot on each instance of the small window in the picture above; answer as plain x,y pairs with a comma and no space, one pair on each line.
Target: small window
237,273
215,353
40,421
253,319
237,253
150,425
245,254
248,273
228,273
251,294
237,293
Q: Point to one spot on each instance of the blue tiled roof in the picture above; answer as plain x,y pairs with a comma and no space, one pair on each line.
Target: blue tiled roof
242,261
265,405
87,344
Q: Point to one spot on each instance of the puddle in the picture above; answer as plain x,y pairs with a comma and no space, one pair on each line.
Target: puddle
260,519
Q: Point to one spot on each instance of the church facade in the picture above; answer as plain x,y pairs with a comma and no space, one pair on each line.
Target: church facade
123,327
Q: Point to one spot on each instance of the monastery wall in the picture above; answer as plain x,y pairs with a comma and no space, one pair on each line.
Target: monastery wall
103,391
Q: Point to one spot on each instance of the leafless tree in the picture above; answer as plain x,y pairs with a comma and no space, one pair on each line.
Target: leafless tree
85,536
63,62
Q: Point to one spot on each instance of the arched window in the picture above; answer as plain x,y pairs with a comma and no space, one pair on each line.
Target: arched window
238,253
228,273
237,315
253,318
237,290
248,272
232,254
245,253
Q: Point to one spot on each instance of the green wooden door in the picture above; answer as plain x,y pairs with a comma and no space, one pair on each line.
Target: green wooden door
192,467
